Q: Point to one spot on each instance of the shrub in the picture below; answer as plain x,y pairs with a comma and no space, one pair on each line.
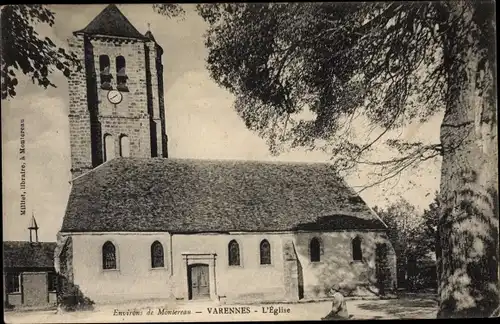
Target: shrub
425,278
70,297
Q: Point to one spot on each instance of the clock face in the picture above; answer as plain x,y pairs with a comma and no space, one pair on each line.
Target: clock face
115,96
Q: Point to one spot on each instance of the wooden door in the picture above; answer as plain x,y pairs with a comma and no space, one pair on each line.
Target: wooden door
199,282
35,288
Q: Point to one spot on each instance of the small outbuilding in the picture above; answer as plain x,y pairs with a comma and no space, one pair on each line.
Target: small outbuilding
29,274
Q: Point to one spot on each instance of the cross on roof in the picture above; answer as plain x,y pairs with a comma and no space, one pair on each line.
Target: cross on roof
33,223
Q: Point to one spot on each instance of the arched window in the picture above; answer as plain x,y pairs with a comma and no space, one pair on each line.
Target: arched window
124,146
315,249
357,254
157,258
234,253
121,75
105,73
265,252
108,256
109,147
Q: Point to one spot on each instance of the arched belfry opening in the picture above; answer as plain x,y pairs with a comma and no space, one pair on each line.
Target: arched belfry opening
109,147
104,72
121,74
124,146
105,96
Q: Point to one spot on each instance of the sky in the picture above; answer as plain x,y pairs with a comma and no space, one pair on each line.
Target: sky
201,123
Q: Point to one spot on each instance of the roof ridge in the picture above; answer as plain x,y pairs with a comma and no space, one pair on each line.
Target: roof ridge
108,26
214,161
93,169
230,160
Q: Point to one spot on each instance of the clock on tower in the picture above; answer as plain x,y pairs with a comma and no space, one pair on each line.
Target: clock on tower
115,97
116,105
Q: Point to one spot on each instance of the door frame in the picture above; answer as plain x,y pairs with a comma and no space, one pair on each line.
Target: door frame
190,279
200,258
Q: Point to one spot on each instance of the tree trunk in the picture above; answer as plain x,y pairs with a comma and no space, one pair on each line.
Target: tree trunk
468,226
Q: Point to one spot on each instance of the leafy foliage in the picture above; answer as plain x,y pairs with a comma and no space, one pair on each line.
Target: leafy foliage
24,50
70,297
383,271
428,236
413,236
169,10
331,60
302,72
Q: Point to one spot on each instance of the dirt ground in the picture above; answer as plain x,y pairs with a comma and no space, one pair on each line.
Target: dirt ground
405,307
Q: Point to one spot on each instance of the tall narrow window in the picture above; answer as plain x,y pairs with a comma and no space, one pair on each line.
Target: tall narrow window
265,252
315,249
234,253
121,75
124,146
105,73
357,254
157,258
108,256
109,147
13,283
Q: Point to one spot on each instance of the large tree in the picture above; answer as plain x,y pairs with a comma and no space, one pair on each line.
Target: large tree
25,50
302,72
413,237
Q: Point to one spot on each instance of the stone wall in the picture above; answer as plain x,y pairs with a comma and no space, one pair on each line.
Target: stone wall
92,116
133,279
15,299
290,276
249,281
161,101
79,117
63,257
291,272
337,266
155,98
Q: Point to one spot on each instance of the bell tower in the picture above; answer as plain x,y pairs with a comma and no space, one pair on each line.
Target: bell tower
116,105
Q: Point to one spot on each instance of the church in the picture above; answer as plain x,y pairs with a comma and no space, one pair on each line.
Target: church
141,225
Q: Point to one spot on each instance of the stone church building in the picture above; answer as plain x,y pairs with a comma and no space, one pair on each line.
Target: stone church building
140,225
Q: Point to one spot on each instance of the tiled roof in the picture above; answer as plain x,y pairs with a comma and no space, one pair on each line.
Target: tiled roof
112,22
182,195
23,254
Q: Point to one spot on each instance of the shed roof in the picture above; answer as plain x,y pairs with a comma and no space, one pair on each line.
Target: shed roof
24,254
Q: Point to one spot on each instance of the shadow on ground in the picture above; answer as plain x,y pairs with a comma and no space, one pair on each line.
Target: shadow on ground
404,307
